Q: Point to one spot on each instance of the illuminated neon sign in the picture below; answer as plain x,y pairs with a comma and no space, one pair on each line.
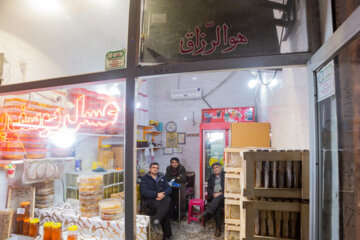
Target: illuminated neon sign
48,123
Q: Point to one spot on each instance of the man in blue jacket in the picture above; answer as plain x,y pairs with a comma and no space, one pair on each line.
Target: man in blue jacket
156,192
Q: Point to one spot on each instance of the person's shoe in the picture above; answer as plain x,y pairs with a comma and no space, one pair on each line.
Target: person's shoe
156,225
166,238
217,232
203,216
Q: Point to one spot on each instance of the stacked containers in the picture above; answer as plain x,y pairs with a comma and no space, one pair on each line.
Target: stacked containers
111,209
90,193
45,194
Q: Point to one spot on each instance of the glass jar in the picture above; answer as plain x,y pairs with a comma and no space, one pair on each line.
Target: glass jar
72,233
34,227
47,230
26,226
56,231
22,212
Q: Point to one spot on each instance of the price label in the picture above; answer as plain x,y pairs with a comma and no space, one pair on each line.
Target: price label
21,211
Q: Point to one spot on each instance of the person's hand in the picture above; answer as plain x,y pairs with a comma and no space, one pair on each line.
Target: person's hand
160,195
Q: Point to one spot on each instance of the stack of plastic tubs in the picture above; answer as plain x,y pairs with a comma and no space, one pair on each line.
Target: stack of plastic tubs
111,209
90,193
45,194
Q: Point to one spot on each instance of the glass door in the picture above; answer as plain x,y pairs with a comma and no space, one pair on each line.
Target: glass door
335,135
213,148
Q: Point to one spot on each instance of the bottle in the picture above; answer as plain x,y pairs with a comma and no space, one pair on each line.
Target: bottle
47,230
72,233
26,226
22,212
34,227
56,231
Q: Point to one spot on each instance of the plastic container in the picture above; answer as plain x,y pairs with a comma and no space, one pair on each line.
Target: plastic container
35,143
34,227
26,226
45,184
47,230
12,154
36,153
72,232
56,231
111,209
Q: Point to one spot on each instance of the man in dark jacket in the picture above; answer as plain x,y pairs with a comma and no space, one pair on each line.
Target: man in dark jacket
215,197
155,190
175,171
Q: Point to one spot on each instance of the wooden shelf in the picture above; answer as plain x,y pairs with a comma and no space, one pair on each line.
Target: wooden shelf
150,130
143,148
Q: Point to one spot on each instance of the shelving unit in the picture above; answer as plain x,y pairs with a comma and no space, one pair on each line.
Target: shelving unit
5,162
143,148
150,130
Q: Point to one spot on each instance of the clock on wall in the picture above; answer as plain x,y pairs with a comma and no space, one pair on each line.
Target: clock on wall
170,126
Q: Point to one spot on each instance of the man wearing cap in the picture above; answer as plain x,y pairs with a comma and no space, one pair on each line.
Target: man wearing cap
215,197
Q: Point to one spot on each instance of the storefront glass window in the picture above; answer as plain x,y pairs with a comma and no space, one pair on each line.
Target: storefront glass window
66,145
185,31
339,145
42,39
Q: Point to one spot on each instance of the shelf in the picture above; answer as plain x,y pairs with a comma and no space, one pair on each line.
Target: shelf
143,148
150,130
100,134
3,161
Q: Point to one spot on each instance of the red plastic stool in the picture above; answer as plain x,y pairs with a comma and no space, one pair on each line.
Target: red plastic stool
195,202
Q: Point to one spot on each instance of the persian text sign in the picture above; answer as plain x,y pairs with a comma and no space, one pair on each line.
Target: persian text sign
115,60
194,43
326,81
236,114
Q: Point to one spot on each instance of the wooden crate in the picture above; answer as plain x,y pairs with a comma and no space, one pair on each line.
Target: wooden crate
234,184
6,217
234,213
254,161
280,210
233,232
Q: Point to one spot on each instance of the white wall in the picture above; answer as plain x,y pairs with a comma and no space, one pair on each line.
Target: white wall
57,38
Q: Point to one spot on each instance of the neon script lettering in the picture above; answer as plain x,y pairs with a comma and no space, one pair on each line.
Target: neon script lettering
49,123
194,43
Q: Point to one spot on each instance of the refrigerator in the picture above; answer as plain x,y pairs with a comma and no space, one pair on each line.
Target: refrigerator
215,135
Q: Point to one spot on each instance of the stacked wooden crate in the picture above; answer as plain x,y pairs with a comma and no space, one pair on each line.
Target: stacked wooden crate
277,191
234,196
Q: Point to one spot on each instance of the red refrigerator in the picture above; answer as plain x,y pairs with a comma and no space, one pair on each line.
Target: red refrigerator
215,135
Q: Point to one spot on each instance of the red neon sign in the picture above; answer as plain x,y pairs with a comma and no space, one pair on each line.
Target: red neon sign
48,123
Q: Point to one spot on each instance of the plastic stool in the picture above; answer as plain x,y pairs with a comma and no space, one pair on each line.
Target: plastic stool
195,202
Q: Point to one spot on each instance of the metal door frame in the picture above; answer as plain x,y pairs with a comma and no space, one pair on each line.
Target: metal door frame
340,38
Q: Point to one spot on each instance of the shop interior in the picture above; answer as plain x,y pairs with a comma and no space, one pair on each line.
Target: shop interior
61,143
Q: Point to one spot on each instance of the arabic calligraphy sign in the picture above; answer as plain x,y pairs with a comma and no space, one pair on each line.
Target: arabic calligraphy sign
199,44
47,123
192,30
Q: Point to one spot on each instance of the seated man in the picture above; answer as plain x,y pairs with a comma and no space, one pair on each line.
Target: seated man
175,171
155,190
215,197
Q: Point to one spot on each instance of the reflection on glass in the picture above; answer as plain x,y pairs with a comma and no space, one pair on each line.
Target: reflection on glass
188,30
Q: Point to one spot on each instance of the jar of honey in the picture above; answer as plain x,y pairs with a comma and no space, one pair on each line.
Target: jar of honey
72,233
26,226
56,231
34,227
22,213
47,230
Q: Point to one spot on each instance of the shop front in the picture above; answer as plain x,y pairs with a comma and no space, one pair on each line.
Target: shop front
218,83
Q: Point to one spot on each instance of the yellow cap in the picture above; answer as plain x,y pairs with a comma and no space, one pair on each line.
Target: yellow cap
72,228
34,220
27,220
56,225
105,146
48,224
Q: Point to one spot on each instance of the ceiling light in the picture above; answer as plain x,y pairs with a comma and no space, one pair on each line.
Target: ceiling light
138,105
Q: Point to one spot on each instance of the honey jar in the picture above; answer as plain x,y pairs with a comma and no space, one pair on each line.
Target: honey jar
34,227
47,230
56,232
72,233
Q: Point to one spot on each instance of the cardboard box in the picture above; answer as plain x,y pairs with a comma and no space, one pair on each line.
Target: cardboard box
119,156
248,134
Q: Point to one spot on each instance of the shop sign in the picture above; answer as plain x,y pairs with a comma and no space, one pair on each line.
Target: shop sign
194,42
48,123
326,81
115,60
230,115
